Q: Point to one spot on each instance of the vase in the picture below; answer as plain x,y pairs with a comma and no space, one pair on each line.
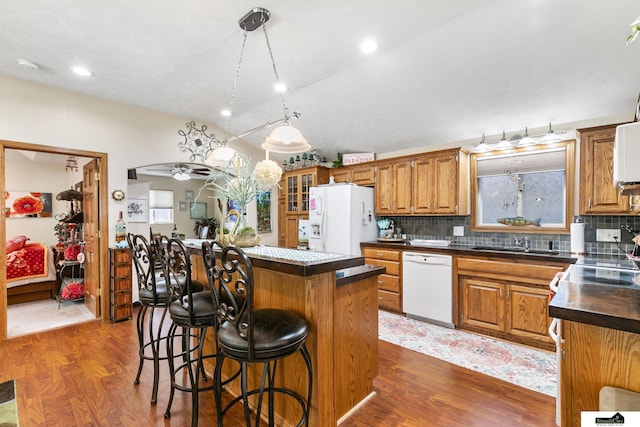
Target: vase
243,234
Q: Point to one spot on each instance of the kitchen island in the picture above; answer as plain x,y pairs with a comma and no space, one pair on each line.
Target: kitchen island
337,295
599,307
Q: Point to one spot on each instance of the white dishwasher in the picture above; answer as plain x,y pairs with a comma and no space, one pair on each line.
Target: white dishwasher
427,292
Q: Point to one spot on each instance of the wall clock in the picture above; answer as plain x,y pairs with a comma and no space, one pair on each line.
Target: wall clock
118,195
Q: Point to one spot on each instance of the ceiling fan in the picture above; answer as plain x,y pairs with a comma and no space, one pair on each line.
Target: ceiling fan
183,171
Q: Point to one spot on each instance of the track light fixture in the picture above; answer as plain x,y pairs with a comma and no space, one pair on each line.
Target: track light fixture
519,141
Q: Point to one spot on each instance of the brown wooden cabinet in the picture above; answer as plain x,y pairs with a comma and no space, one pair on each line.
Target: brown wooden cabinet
120,283
429,184
359,174
506,299
363,174
342,174
440,183
390,283
393,187
593,357
293,201
598,193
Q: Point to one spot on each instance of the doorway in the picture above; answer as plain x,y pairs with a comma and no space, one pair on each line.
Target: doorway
97,271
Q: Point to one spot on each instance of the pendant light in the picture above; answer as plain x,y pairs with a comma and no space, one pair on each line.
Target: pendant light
551,137
283,139
526,139
483,147
504,142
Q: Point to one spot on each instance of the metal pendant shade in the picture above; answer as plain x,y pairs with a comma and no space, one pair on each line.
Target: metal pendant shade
69,195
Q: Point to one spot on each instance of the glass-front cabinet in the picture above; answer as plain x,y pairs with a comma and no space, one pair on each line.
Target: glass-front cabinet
298,184
292,193
296,201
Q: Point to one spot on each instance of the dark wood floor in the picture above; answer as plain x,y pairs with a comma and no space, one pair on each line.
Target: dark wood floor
83,376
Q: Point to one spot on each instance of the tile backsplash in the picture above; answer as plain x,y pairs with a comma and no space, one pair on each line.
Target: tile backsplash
441,228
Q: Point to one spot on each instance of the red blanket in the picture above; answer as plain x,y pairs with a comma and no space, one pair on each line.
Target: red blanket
28,262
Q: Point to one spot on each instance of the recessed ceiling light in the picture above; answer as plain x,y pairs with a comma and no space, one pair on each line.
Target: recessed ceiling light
225,113
82,71
368,46
280,87
27,64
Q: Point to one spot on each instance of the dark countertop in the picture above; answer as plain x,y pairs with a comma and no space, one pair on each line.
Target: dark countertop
355,274
601,290
290,261
599,295
563,257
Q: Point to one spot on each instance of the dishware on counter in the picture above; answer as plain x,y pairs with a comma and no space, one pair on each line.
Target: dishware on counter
430,243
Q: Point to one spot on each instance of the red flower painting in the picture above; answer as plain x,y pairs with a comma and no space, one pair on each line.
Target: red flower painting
28,205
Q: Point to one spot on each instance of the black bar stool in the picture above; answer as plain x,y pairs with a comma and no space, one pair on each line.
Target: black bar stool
153,296
191,310
250,335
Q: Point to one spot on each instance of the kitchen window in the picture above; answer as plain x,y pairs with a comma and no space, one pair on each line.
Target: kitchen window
160,206
523,189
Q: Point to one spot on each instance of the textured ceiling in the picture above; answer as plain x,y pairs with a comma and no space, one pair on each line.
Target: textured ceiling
446,70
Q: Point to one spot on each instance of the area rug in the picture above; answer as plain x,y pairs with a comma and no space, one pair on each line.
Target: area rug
8,405
30,317
520,365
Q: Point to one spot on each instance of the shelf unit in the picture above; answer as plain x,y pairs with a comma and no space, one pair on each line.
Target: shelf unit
120,283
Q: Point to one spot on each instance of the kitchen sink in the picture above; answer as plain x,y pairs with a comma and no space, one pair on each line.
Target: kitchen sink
516,249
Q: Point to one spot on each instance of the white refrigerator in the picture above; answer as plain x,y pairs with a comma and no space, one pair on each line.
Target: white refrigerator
340,217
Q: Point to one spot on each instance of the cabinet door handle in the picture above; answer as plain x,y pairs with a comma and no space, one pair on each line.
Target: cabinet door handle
500,293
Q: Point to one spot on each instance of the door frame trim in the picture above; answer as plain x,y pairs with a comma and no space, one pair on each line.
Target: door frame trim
103,246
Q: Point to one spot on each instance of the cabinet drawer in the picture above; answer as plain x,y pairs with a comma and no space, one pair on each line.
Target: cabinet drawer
393,267
121,312
389,300
121,285
387,254
121,271
533,273
121,298
389,283
121,256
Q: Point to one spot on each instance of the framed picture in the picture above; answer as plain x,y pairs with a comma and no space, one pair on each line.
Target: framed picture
25,204
198,210
188,194
137,210
182,206
263,203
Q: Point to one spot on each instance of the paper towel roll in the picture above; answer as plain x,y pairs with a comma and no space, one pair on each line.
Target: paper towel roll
577,238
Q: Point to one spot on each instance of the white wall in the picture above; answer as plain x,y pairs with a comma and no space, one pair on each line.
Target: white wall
131,136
